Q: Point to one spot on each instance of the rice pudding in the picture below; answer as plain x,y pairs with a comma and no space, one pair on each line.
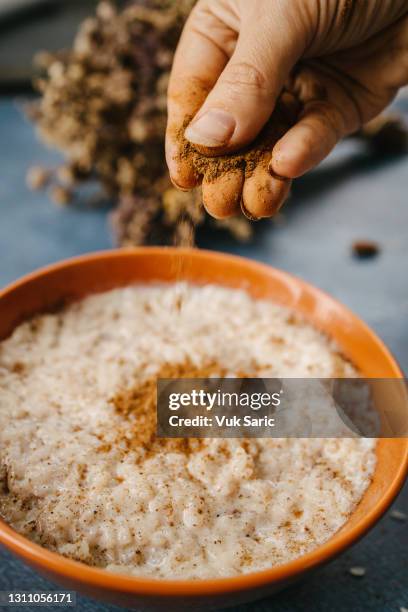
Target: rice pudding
83,474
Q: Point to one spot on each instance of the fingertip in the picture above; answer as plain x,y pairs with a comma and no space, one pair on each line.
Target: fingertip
178,186
308,142
222,196
183,176
288,160
181,170
263,194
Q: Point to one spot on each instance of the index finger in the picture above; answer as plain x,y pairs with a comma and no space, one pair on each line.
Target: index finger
201,56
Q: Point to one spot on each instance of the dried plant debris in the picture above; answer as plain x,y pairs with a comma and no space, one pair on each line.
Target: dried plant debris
61,196
365,249
103,104
357,571
167,218
37,177
398,515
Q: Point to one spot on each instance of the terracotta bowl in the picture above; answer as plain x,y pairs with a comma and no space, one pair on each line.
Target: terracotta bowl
53,286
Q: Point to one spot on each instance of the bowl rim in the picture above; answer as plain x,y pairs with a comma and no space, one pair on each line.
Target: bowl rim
80,573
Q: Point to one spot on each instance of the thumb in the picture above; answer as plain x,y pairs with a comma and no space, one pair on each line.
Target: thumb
245,93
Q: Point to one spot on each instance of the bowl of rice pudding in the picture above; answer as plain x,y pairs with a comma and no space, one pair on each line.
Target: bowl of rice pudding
91,498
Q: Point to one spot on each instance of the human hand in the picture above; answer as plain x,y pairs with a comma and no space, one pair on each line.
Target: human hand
339,62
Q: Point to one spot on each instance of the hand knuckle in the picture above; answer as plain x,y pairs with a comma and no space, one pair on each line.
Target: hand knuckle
329,115
334,120
245,74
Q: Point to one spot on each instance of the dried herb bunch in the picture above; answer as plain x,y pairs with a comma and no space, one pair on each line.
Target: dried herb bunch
103,104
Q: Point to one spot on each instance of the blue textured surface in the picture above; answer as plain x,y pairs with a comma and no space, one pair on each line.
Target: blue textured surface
350,196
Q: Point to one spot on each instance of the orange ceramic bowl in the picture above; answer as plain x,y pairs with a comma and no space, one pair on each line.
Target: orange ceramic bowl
73,279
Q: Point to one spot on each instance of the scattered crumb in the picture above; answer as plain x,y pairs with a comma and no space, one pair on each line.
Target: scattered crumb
365,249
60,195
66,174
37,177
398,515
357,571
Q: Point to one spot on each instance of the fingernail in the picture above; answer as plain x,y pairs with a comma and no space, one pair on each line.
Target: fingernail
275,174
247,214
177,186
213,129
